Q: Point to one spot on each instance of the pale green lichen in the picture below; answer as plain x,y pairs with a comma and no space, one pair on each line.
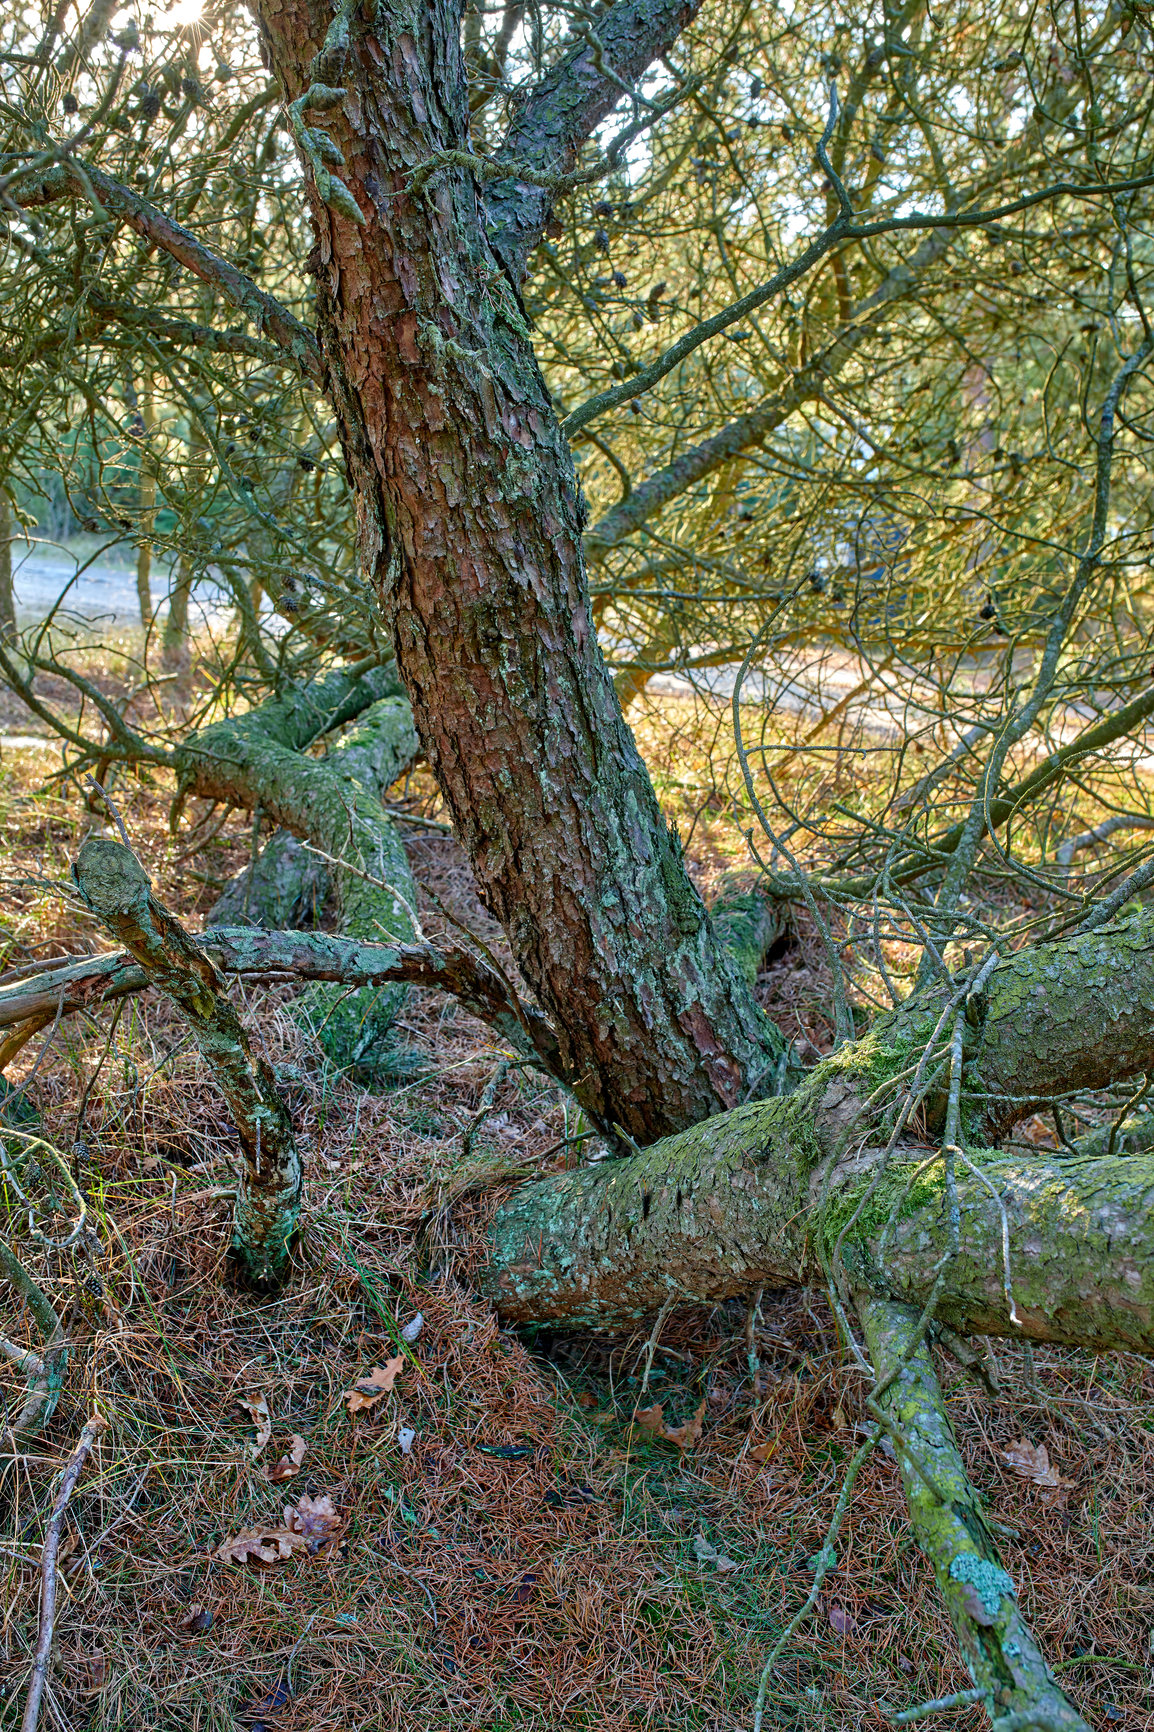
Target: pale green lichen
989,1581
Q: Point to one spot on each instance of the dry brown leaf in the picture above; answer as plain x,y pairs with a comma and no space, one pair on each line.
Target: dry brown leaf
264,1545
763,1451
652,1419
313,1520
368,1389
1033,1463
842,1621
257,1408
309,1524
685,1436
288,1464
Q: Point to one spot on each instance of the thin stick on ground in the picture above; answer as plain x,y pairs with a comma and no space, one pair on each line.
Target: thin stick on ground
39,1678
48,1371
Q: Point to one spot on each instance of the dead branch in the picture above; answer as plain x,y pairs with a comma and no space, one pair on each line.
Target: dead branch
88,1436
47,1371
117,889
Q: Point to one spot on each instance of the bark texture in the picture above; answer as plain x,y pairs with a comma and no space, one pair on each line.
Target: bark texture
116,887
565,108
470,525
765,1194
285,889
257,760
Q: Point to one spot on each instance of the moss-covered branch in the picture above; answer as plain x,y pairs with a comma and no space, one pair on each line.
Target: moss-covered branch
305,956
116,888
768,1193
997,1645
46,1370
334,804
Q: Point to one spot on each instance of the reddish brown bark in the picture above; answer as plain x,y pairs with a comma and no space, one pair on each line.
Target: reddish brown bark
470,523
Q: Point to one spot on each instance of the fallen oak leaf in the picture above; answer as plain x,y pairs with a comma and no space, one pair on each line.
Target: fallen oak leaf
257,1408
652,1419
368,1389
265,1545
1033,1464
685,1436
288,1464
313,1520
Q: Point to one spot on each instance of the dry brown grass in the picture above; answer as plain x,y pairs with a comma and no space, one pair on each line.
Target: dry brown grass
531,1562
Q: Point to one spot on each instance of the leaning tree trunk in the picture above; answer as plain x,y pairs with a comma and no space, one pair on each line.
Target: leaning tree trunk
470,523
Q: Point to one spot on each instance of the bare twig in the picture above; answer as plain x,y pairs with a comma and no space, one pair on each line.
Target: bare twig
88,1436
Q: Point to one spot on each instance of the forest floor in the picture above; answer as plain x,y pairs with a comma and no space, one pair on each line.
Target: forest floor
503,1545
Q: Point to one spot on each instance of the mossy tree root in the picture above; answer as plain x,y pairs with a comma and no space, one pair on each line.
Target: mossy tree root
997,1645
116,887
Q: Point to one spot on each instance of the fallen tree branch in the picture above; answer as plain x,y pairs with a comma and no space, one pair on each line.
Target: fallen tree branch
116,887
47,1371
764,1193
1009,1673
93,981
39,1678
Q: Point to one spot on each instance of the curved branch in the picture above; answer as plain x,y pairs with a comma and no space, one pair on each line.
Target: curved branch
153,225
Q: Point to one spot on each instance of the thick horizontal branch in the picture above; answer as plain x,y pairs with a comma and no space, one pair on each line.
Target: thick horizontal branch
766,1193
93,981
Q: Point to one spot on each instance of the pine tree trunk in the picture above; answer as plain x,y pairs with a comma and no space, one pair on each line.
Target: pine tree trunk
470,528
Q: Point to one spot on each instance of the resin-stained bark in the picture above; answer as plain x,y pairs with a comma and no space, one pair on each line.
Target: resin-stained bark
470,525
116,887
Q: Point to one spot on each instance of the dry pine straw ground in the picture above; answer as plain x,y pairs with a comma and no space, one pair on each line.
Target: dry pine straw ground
533,1560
